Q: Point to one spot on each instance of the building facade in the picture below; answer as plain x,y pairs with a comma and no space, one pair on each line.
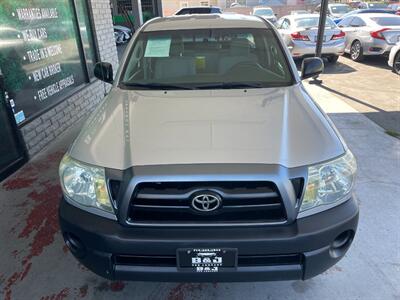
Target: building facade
47,53
123,10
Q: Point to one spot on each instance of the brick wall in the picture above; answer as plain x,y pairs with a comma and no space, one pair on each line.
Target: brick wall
44,129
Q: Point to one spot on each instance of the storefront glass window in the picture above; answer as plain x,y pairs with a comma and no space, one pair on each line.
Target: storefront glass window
40,53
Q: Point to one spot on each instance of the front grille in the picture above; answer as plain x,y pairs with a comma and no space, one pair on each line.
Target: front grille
242,202
243,260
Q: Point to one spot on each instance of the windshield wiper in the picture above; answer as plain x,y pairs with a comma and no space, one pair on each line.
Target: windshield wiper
229,85
157,86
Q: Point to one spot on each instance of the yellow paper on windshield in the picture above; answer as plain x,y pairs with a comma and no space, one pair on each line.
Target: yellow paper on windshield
158,47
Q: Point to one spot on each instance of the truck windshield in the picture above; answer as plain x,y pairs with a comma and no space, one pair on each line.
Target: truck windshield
206,59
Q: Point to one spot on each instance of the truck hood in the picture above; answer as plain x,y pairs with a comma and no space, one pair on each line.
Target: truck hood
261,126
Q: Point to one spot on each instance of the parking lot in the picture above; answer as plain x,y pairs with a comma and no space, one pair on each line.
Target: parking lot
370,87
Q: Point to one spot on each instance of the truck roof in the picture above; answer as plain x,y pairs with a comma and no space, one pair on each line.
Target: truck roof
204,21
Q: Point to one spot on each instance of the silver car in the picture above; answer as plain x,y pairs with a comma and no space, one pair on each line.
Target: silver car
370,34
394,59
266,13
300,32
335,10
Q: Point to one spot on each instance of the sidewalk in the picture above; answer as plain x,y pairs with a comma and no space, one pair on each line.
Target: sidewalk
35,264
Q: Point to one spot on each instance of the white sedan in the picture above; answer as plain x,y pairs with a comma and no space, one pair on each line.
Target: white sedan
394,58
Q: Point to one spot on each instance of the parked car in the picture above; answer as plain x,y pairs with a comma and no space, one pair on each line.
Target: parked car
395,7
205,165
372,5
199,10
299,12
370,34
299,33
364,11
354,4
122,34
394,58
335,10
266,13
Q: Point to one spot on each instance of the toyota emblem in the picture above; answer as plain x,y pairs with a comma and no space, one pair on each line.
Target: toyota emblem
206,202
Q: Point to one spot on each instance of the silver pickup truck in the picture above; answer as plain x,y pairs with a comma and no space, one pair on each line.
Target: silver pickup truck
208,161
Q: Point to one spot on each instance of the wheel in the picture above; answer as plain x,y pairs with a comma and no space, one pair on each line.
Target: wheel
356,51
333,58
396,63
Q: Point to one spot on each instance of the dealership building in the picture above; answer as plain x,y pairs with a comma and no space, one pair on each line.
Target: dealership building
47,53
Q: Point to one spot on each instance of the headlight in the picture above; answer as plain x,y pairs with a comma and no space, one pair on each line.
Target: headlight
85,184
329,183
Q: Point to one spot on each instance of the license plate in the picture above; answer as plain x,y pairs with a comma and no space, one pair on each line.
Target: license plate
323,39
206,260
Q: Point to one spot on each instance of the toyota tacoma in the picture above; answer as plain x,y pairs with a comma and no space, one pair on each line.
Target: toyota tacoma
208,161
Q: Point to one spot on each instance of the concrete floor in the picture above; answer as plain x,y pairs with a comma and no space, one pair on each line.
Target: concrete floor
370,87
35,264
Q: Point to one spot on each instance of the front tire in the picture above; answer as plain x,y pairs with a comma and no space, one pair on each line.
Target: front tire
396,63
333,59
356,51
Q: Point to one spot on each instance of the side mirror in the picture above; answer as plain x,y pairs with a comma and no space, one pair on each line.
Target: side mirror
311,66
104,72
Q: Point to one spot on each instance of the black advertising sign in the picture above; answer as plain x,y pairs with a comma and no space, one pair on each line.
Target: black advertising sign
39,53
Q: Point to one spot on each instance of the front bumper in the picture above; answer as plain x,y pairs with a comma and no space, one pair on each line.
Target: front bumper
98,243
